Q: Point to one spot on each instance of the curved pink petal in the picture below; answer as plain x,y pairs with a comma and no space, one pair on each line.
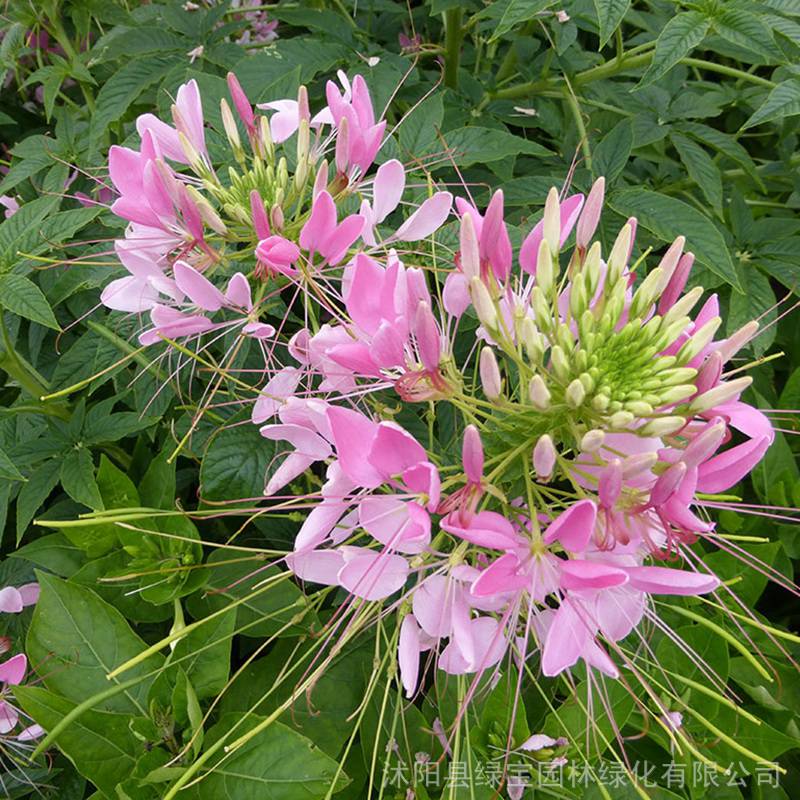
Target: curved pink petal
664,580
394,450
580,575
197,288
11,600
317,566
390,181
486,529
504,574
373,575
12,671
574,527
569,635
727,469
353,436
429,217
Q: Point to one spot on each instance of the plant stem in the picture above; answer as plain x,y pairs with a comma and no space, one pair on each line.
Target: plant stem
615,66
453,35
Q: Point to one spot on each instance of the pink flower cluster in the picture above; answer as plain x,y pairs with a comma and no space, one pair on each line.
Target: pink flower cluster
593,408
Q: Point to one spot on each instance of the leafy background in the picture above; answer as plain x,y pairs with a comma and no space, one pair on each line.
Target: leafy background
690,110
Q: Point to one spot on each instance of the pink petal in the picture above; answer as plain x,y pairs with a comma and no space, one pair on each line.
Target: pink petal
728,468
373,575
429,217
581,575
394,450
12,672
317,566
8,717
238,292
664,580
30,593
502,575
456,294
353,436
408,654
574,527
338,243
274,394
197,288
320,224
486,529
11,600
567,638
390,181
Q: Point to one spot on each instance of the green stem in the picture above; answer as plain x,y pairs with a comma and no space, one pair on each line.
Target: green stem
452,46
572,102
629,62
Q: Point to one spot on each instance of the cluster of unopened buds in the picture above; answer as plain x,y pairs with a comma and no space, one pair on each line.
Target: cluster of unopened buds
581,414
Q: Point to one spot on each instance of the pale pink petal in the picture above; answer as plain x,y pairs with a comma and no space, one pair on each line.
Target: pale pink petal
353,435
456,294
486,529
429,217
574,527
390,181
583,575
11,600
505,574
8,717
373,575
394,450
238,292
569,635
317,566
30,593
282,385
12,671
664,580
197,288
408,654
30,733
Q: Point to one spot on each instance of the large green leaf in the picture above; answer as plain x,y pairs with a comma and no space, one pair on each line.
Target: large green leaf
205,654
667,218
476,145
610,14
236,463
613,151
680,35
701,168
22,296
782,101
79,639
101,745
276,764
77,478
513,13
232,578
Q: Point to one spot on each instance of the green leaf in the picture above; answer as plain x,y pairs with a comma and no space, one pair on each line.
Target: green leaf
101,745
205,654
56,228
77,478
81,638
724,143
116,490
22,296
8,470
613,151
89,354
513,13
782,101
34,492
157,488
666,218
476,145
756,302
745,29
610,14
235,464
232,578
276,764
123,87
701,168
419,132
53,552
680,35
